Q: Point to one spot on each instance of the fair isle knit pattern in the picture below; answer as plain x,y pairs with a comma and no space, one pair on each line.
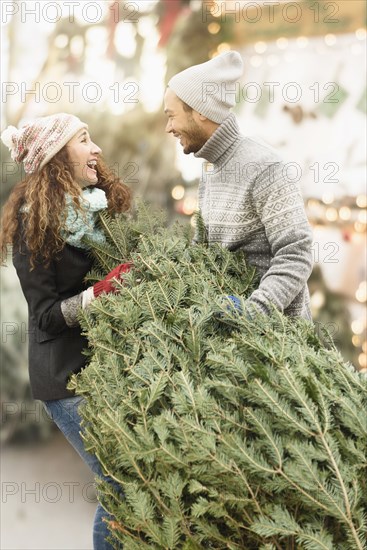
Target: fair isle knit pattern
38,141
249,201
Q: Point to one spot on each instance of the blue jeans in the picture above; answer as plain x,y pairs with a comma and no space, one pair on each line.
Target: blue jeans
64,412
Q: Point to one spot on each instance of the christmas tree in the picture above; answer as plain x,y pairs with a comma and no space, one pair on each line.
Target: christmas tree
224,431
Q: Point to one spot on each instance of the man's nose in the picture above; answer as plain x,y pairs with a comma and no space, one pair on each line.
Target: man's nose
169,127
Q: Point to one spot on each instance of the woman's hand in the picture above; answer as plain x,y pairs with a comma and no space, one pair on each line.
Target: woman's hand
107,284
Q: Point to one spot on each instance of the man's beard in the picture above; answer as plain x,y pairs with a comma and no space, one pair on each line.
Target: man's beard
196,138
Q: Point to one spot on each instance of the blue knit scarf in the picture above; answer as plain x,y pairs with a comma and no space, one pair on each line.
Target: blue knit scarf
84,225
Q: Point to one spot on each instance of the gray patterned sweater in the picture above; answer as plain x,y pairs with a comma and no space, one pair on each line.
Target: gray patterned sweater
249,202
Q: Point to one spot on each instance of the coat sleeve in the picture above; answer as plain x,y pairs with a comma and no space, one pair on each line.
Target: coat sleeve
279,205
39,287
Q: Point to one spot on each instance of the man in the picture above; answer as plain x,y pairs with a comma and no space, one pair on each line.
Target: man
247,197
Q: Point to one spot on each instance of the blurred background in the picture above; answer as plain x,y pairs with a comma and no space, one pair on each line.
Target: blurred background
108,62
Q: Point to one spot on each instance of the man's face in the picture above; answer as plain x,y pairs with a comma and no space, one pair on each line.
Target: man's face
185,126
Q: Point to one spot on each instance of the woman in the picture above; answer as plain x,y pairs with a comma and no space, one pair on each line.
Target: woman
45,220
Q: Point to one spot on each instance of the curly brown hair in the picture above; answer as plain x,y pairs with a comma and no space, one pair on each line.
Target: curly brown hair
36,206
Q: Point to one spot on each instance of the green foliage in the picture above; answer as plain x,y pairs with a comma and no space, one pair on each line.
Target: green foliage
223,432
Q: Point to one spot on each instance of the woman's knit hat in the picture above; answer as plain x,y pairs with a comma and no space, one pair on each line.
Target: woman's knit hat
38,141
211,87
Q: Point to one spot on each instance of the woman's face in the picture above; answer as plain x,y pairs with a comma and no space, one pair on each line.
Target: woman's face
84,154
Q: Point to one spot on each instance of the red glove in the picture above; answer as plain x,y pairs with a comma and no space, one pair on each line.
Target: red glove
107,284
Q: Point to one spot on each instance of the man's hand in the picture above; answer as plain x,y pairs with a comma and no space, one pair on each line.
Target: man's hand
233,305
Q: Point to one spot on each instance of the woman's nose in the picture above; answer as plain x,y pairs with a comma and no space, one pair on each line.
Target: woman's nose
95,149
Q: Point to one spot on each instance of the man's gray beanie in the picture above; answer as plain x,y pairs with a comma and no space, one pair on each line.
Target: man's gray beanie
211,87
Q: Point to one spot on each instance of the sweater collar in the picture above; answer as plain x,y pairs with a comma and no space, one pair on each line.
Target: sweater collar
221,141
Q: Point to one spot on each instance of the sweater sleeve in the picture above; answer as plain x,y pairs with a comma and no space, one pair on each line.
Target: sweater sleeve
279,205
40,290
70,308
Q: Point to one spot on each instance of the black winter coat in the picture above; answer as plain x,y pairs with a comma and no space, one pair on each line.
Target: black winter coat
55,350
